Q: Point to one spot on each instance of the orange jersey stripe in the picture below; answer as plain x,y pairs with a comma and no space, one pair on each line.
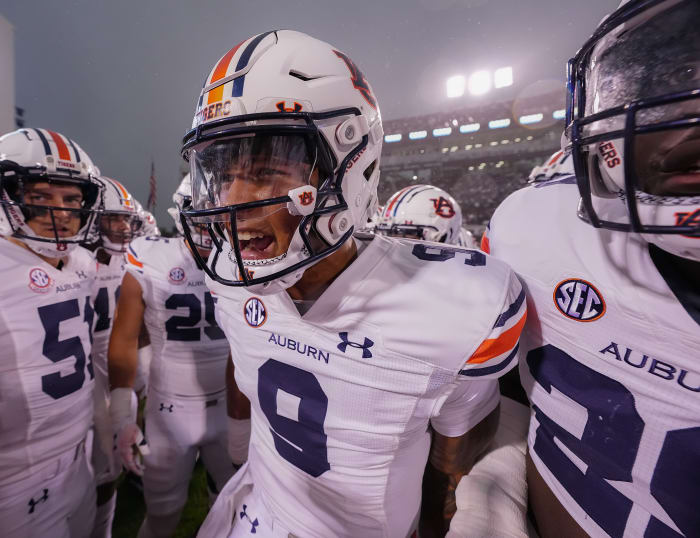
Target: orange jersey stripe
493,347
63,152
485,244
133,260
217,94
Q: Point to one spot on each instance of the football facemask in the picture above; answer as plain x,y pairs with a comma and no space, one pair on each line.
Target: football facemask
634,106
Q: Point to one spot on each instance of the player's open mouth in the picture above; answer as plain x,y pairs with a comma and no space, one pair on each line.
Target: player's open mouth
256,245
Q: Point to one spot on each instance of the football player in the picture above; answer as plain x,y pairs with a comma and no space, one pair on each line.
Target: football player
49,192
119,224
422,212
362,360
612,268
186,404
149,225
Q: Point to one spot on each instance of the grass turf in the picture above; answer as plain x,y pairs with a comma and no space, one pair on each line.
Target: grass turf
131,508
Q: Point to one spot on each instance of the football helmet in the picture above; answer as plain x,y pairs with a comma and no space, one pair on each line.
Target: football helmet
149,226
118,220
558,165
287,125
633,123
33,156
422,212
182,198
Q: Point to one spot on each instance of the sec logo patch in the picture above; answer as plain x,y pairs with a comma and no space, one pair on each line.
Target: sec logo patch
177,275
579,300
39,280
255,312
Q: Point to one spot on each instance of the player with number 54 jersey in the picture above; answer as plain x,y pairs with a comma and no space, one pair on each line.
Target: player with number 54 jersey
48,195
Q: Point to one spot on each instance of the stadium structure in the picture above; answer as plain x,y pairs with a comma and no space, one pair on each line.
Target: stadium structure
7,80
478,154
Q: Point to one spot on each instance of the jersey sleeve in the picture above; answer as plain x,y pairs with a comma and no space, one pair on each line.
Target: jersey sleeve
466,406
498,352
137,265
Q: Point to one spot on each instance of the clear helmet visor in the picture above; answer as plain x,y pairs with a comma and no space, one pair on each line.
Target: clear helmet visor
253,169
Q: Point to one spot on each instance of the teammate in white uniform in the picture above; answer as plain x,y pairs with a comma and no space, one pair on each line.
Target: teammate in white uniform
422,212
349,351
48,194
118,223
612,364
186,403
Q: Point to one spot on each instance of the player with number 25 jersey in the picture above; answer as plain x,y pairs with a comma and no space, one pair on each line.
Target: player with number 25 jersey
186,403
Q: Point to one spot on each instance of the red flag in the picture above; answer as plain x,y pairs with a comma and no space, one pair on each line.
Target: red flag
151,203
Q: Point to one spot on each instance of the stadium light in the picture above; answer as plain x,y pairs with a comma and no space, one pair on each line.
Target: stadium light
392,138
503,77
499,124
559,114
455,86
442,131
417,135
479,82
531,118
469,128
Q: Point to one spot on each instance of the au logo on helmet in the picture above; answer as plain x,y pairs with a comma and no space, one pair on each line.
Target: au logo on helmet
282,107
255,312
306,198
359,81
579,300
443,207
687,218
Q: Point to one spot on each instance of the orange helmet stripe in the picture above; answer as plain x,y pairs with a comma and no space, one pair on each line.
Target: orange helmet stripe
63,152
217,93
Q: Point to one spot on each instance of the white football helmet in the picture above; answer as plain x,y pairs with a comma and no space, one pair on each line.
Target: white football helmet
295,122
422,212
633,120
560,164
149,226
32,156
118,219
182,198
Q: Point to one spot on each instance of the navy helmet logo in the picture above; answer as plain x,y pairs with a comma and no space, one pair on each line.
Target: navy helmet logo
579,300
359,81
255,312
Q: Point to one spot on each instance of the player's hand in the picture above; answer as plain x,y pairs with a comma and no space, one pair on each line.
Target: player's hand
131,447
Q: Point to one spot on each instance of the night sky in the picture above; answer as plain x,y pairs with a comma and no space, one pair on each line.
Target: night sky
122,77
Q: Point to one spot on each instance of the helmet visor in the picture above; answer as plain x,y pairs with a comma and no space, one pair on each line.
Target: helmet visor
255,168
659,56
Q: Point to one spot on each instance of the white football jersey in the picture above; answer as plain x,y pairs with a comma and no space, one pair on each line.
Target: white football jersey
189,348
611,364
46,372
411,333
108,284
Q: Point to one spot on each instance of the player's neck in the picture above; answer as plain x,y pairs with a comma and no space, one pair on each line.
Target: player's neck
318,277
103,256
58,263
